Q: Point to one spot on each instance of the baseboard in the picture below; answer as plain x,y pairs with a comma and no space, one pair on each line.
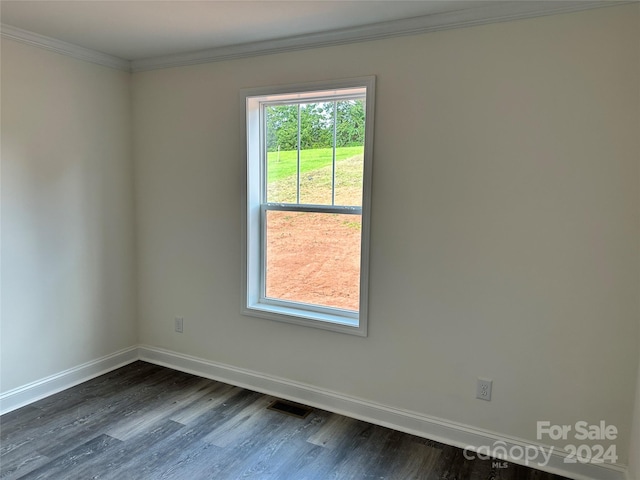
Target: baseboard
444,431
26,394
440,430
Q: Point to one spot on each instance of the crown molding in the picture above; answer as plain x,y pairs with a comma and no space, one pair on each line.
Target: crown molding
64,48
498,12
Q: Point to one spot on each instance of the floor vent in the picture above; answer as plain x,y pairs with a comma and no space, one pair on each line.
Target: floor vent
290,408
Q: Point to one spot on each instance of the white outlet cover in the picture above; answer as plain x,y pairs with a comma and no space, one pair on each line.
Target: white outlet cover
483,389
179,324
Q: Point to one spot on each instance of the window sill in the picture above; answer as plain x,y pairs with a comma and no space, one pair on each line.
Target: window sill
296,316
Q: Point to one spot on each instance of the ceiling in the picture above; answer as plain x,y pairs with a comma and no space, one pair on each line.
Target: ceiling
135,30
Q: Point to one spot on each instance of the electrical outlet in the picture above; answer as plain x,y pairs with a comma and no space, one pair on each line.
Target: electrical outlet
179,323
483,390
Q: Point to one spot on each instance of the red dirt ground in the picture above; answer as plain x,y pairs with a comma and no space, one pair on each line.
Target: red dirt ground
314,258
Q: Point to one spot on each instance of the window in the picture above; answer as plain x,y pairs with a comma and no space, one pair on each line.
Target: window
308,150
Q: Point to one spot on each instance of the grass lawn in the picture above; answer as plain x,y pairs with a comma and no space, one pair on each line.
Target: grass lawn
316,184
281,165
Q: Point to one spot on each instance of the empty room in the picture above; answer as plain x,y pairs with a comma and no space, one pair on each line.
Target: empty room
320,240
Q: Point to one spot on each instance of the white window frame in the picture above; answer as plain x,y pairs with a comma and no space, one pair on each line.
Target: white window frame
253,301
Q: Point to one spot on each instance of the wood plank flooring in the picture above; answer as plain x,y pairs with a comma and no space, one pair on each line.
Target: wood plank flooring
148,422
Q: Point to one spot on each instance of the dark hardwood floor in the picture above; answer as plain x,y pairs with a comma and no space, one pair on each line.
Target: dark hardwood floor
146,422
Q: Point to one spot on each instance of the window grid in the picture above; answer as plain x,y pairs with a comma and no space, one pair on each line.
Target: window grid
319,99
298,174
335,144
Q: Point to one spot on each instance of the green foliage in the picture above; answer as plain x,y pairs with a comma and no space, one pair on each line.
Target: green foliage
282,127
316,125
350,123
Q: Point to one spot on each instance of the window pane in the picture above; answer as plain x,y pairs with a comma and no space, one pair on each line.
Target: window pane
350,121
313,258
349,172
316,153
282,153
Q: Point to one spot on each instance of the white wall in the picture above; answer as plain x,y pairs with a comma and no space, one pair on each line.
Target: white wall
634,446
68,283
505,218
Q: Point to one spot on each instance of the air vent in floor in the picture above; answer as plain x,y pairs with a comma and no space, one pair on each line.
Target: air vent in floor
290,408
